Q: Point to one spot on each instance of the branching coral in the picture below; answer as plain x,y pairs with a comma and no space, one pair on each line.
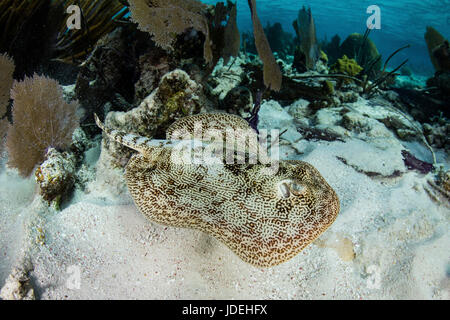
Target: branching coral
41,119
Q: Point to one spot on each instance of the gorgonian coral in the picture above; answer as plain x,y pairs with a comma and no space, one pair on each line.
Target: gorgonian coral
6,80
41,119
166,19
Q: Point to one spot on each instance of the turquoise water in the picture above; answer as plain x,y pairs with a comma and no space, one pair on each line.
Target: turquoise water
402,22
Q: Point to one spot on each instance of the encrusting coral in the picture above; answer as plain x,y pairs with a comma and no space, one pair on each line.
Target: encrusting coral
41,119
266,219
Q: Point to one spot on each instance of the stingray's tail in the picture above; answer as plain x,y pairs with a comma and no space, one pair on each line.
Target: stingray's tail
135,142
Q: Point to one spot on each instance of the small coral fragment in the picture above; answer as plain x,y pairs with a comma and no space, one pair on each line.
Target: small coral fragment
55,175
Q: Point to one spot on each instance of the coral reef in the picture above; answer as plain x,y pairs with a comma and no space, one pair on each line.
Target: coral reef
414,100
294,87
281,42
152,69
439,51
224,85
441,80
41,119
231,36
36,34
152,66
239,101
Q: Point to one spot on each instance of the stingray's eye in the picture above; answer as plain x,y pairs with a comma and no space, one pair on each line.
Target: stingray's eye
284,189
297,188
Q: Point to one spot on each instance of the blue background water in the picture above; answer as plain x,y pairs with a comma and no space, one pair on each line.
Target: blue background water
402,22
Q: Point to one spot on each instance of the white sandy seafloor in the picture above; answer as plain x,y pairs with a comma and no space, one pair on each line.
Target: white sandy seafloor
390,240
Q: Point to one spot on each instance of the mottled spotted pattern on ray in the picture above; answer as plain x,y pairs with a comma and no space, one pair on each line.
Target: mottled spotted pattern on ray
264,219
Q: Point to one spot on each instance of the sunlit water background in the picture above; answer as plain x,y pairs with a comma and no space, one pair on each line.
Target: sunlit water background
402,22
